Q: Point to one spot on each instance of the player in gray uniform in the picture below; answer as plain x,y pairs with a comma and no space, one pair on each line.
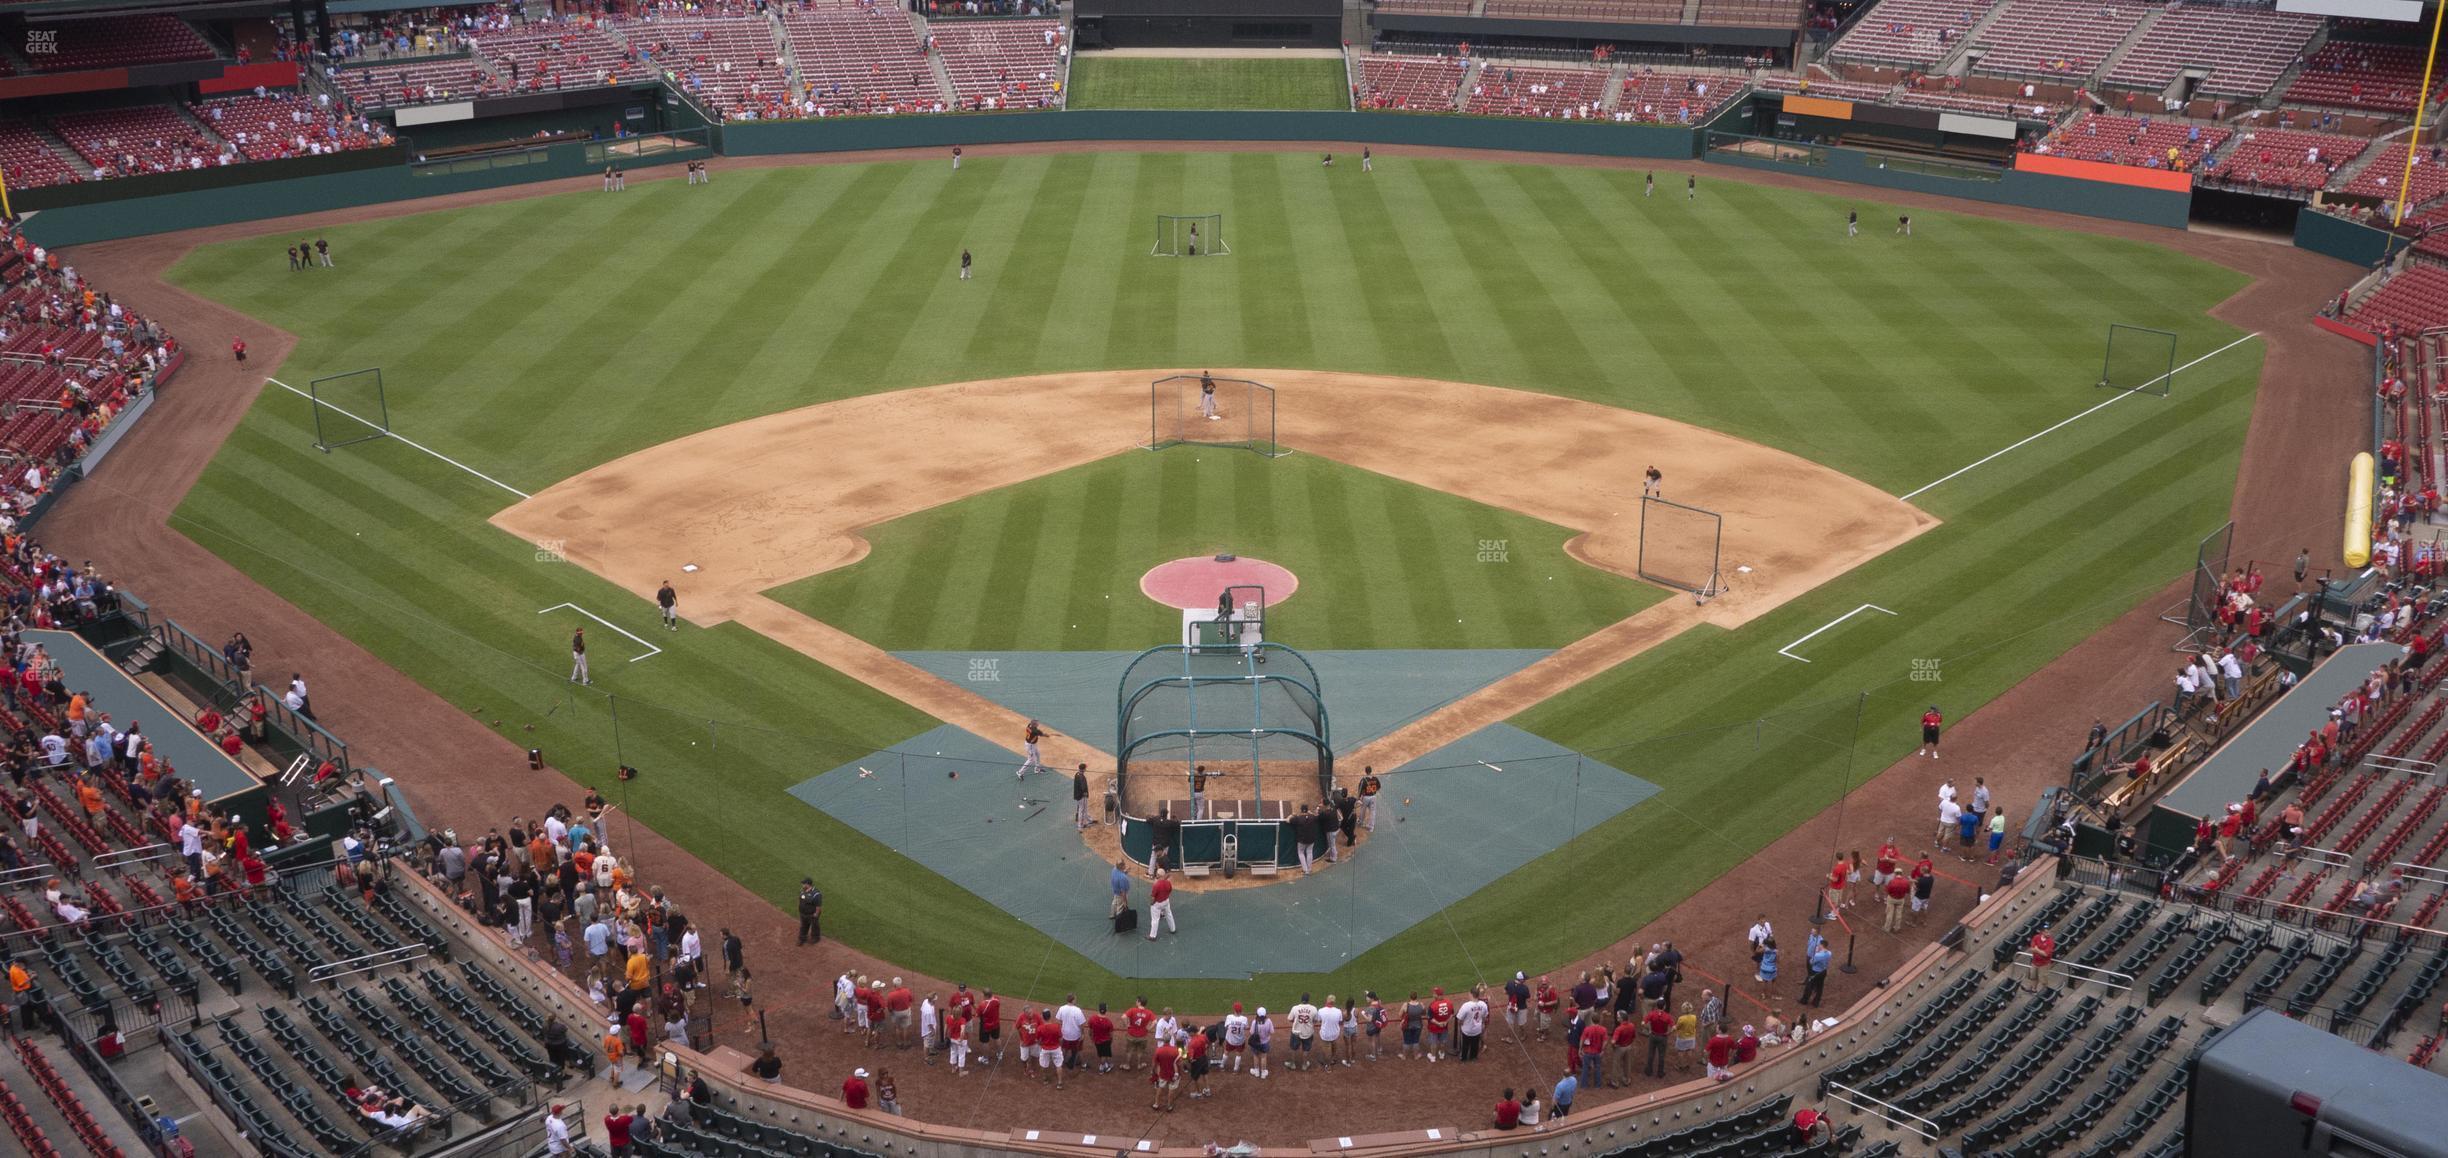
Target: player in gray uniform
1034,763
1207,402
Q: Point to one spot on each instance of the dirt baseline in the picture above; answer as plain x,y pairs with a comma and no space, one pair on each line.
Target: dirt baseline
394,721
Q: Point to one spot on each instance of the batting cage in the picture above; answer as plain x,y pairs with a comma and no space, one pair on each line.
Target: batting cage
1680,546
1251,719
1190,235
1204,410
2138,359
348,408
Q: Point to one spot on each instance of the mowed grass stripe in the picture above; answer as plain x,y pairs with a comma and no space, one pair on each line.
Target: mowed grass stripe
1683,307
1015,568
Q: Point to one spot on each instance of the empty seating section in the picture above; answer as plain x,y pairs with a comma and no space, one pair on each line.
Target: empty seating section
30,160
729,62
2287,159
389,86
141,139
1908,31
1831,89
860,60
542,58
2057,37
1610,11
263,128
1518,91
2246,50
1673,98
53,1089
1750,13
2138,141
2379,176
2380,78
1986,106
1419,84
1002,63
118,42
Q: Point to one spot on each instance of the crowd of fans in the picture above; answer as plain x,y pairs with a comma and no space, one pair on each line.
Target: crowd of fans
554,888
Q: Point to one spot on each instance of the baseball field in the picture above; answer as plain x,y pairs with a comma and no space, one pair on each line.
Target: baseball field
669,328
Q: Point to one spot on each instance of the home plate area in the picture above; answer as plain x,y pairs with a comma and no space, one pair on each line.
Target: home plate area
948,800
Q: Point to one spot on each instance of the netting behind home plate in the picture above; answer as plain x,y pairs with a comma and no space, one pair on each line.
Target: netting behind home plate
1246,714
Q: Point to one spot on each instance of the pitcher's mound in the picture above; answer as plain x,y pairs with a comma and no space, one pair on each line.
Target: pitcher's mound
1194,583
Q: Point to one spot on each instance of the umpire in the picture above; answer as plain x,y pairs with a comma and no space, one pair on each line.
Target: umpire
811,912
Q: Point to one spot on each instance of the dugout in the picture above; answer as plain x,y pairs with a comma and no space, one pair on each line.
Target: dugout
1251,715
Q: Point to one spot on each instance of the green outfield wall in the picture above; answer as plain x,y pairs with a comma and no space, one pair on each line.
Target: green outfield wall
2344,240
150,211
1971,181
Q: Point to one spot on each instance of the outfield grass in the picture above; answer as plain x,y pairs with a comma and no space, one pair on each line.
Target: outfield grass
1144,82
538,338
1382,563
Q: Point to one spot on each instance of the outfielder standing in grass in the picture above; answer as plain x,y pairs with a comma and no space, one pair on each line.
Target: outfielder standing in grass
578,666
964,265
669,601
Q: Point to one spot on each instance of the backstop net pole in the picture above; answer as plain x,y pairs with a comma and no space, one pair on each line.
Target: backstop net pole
348,408
1244,413
2198,615
2138,359
1681,546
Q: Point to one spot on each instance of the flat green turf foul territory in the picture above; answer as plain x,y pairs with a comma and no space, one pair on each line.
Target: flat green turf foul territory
1141,82
1381,563
534,339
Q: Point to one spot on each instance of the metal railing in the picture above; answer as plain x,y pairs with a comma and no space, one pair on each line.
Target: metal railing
121,858
302,731
2108,979
368,962
1885,1111
203,655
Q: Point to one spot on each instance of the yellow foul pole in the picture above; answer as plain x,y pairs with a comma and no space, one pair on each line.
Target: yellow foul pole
5,211
2405,180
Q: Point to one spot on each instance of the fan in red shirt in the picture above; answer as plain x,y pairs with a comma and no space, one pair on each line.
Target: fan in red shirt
1167,1075
1508,1112
1720,1056
871,999
1548,1001
1028,1024
1100,1035
616,1129
1593,1053
2043,951
854,1090
1136,1021
1049,1049
1627,1035
990,1025
1440,1023
956,1032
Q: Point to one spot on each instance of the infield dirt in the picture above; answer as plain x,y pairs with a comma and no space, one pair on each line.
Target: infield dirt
2309,415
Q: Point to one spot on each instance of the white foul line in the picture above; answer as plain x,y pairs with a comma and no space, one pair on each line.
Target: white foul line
651,650
2120,397
410,441
1787,650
